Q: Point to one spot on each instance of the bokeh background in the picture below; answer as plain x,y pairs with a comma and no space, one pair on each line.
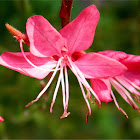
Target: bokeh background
118,29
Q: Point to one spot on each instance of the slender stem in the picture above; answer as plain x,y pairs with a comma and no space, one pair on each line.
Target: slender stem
65,12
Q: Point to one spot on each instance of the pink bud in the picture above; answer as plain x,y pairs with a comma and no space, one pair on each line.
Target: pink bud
17,34
1,119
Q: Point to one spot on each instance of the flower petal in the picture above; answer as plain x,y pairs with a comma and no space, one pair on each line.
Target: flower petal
80,32
17,62
44,39
99,66
133,76
102,89
130,61
118,55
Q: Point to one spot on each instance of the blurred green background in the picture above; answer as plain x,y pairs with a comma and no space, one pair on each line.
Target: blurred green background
118,29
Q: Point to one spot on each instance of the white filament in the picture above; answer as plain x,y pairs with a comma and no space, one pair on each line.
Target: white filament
81,77
67,86
55,92
48,84
85,97
63,88
122,91
21,47
117,105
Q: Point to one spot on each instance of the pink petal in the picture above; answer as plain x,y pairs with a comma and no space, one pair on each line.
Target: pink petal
1,119
80,32
133,76
17,62
99,66
118,55
130,61
102,89
44,39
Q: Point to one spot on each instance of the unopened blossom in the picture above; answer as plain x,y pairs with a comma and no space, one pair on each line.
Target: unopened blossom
127,84
1,119
52,51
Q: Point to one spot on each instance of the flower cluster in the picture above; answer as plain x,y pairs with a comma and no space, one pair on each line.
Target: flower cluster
125,84
53,51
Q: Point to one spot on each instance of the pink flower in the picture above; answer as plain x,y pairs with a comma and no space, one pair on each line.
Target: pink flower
52,51
125,83
1,119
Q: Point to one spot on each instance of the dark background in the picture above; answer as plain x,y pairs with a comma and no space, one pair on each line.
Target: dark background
118,29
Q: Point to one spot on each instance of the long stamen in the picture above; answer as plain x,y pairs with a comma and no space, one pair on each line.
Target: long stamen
63,87
132,83
85,97
83,92
122,91
79,74
65,114
83,78
55,92
117,105
48,84
127,85
67,86
23,53
79,78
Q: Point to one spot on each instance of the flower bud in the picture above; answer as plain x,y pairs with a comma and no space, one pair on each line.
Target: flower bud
17,34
